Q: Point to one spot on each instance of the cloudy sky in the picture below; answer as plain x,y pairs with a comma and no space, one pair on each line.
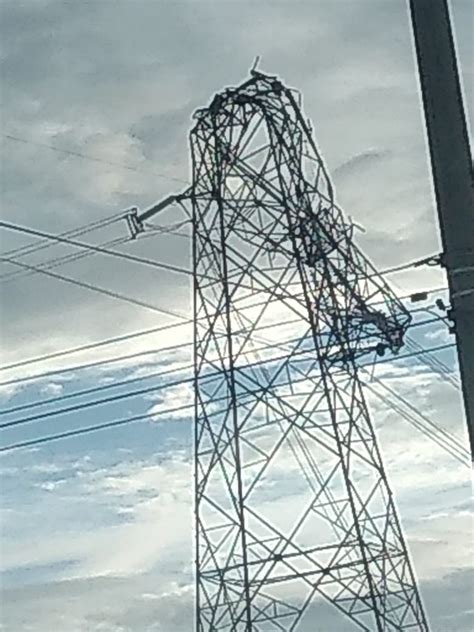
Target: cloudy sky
97,99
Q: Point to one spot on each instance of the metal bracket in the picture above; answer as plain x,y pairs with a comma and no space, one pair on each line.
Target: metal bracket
134,224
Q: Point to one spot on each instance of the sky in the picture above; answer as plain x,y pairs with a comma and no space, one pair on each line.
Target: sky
97,529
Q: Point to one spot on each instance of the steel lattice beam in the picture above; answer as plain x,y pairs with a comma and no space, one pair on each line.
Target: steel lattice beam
270,244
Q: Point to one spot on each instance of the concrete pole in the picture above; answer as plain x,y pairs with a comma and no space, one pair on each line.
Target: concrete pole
451,164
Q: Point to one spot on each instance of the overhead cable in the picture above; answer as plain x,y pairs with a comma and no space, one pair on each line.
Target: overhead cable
44,244
56,262
78,154
105,251
116,384
122,338
434,364
94,288
170,411
460,454
144,391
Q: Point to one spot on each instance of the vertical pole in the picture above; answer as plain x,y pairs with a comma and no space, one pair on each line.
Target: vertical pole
451,164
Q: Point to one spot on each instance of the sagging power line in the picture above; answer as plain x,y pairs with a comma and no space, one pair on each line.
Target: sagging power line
442,437
178,347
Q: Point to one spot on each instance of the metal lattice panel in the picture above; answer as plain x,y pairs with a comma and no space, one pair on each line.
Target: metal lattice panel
285,305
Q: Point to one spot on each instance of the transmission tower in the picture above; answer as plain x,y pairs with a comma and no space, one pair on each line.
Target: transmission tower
292,501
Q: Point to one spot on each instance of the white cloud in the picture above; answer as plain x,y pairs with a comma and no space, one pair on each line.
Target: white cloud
53,388
171,398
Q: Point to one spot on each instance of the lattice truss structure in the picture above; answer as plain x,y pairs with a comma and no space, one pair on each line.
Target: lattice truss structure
292,501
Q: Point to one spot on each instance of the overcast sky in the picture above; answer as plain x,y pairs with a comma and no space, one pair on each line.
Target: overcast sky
97,530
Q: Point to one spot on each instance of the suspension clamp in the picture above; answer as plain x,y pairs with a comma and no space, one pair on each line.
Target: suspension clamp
135,226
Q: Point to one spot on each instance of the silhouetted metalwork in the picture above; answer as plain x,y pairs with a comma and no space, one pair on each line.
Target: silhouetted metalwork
292,501
451,163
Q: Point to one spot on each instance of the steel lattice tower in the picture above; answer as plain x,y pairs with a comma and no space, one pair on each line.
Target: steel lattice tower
285,307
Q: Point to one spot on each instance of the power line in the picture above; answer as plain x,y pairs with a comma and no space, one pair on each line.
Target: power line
87,365
447,436
383,272
172,228
98,249
78,154
143,391
128,381
58,261
120,358
46,243
94,288
95,427
121,422
404,266
87,347
94,249
135,259
114,340
455,450
420,414
95,389
74,433
97,402
435,364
